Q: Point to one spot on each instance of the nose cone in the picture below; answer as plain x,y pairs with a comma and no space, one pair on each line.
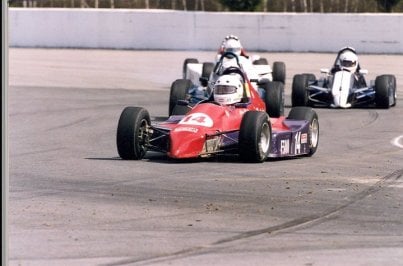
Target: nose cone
342,83
185,142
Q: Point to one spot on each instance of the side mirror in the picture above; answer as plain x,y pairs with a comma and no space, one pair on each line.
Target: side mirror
363,71
324,70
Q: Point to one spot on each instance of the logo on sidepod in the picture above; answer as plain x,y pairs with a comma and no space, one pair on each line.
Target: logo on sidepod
197,119
186,129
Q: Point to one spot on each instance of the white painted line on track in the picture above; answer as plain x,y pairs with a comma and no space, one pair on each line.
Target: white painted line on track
398,141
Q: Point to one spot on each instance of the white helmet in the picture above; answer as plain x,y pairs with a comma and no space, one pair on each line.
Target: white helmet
228,89
349,61
233,45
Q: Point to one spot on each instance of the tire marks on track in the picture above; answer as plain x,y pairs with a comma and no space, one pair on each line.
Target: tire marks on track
296,224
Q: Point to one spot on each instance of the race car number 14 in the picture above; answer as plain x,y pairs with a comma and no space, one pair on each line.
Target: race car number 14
197,119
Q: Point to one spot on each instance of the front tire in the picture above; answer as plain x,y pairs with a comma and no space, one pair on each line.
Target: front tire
132,137
385,91
254,137
308,114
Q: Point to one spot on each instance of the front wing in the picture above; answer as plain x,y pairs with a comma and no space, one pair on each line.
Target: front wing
322,96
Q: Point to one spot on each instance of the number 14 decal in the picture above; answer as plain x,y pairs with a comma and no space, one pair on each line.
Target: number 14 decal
197,119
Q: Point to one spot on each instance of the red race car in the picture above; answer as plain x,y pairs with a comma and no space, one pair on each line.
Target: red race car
214,127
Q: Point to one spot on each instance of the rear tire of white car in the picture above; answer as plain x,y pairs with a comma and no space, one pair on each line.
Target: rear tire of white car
385,91
185,65
179,90
132,137
254,137
308,114
274,98
299,92
279,72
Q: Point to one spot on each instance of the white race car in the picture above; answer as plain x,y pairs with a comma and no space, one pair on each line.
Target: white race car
344,86
194,70
199,80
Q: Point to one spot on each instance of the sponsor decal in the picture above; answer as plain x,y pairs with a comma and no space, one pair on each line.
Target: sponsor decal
304,138
284,146
297,149
187,129
197,119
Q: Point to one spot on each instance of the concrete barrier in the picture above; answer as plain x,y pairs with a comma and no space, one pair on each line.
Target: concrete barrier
185,30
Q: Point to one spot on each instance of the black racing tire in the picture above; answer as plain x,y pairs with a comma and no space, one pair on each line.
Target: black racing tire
261,61
179,90
207,69
274,98
132,136
394,91
279,72
308,114
299,92
254,137
186,62
385,91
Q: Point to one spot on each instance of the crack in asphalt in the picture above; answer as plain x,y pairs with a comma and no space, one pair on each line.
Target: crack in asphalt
298,223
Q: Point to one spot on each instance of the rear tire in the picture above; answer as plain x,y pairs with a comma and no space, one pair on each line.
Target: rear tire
307,113
274,98
299,92
279,72
179,90
385,91
131,137
254,137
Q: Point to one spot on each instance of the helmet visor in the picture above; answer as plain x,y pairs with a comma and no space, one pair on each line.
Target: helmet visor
224,89
348,63
234,50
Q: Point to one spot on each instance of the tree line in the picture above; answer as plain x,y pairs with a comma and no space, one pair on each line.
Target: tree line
321,6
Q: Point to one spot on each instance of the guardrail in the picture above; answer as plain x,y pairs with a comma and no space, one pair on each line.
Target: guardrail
186,30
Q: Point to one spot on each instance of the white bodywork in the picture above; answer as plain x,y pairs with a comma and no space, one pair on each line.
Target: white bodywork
194,71
343,81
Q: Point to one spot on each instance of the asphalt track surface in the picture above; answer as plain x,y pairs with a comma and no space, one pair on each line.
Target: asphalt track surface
73,201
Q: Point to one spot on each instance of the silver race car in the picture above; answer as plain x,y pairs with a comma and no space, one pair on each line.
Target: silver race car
344,86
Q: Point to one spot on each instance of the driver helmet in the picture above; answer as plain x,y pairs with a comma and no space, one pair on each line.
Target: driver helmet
349,61
228,37
233,45
228,89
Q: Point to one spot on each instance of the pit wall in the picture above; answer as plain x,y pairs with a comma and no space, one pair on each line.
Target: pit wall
187,30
